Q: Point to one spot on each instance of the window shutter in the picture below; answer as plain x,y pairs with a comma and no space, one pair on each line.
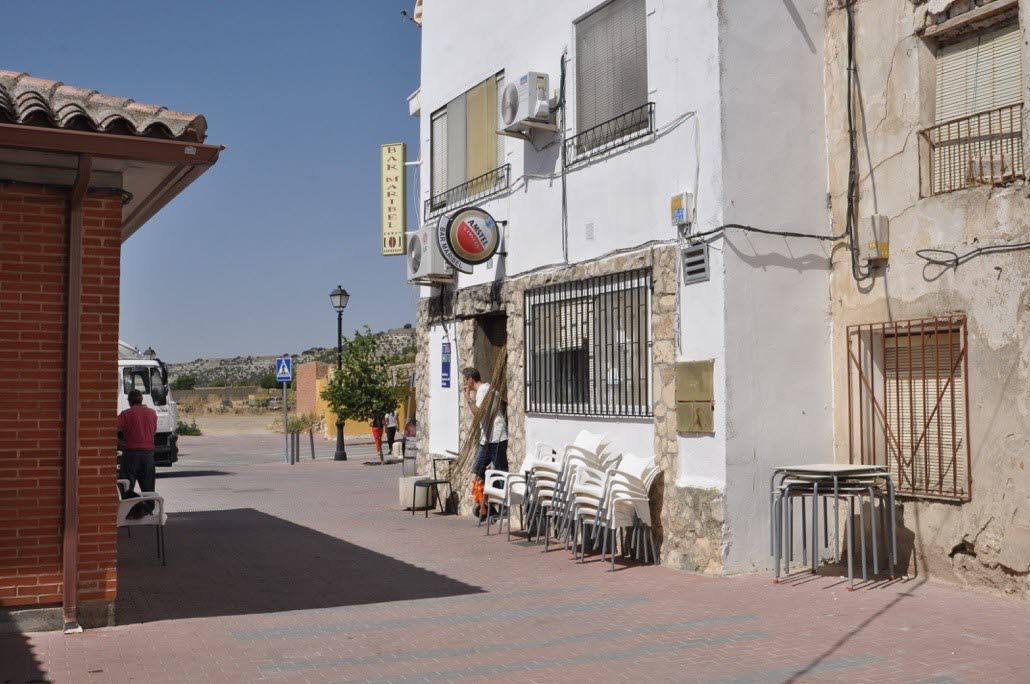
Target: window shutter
438,145
481,117
457,115
611,62
925,405
979,74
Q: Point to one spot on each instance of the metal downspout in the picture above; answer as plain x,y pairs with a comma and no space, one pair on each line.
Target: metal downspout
72,366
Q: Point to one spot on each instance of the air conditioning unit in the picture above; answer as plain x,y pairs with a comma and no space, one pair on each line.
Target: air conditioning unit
425,263
524,103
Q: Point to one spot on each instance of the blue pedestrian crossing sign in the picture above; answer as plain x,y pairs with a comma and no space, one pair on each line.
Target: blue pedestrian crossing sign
284,369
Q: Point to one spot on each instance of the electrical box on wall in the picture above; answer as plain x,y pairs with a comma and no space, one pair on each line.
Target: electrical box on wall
874,240
695,397
681,209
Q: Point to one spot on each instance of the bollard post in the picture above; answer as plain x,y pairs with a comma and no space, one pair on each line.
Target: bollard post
311,438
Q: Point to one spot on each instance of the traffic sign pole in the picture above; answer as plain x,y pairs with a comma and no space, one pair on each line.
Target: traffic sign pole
286,424
284,374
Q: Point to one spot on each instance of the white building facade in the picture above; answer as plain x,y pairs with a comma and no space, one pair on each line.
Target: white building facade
597,298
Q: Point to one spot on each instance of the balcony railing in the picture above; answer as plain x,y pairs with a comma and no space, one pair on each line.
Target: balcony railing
981,149
605,137
480,187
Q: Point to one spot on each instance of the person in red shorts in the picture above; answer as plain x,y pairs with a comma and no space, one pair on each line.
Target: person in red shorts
136,427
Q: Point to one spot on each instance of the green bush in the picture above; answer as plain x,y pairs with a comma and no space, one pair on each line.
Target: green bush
190,429
184,382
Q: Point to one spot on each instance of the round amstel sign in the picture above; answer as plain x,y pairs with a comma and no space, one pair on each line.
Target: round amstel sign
470,237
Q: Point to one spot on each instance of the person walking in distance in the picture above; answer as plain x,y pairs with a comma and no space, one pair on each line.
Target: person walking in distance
136,427
377,435
390,422
493,439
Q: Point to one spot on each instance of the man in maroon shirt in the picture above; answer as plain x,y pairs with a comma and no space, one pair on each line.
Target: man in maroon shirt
136,427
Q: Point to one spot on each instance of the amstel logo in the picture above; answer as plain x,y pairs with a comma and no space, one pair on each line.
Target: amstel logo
469,237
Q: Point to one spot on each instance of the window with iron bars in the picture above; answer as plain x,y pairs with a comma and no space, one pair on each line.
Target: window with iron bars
588,346
908,404
977,136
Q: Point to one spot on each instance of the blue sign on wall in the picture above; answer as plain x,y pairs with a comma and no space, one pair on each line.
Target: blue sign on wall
445,365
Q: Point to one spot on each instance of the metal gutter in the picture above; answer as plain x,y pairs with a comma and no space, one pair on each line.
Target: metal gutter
106,145
72,367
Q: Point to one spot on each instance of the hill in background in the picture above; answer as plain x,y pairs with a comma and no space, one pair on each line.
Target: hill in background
397,344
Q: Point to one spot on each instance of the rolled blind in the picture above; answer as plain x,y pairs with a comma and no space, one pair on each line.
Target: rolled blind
979,74
481,116
611,62
438,150
925,405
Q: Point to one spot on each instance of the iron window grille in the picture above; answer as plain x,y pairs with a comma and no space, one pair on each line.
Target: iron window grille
490,183
980,149
908,404
588,346
610,135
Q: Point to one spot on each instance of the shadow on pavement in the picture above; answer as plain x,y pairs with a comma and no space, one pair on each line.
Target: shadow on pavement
165,474
242,561
18,662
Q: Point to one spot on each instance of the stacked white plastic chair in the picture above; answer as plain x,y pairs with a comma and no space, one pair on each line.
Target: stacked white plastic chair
504,490
615,506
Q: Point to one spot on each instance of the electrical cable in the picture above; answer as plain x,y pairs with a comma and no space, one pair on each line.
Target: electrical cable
954,259
564,166
765,231
851,229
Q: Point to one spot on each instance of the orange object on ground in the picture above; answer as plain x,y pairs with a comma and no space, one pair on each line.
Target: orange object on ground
478,495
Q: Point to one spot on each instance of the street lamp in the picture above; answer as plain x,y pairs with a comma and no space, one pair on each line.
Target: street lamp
339,297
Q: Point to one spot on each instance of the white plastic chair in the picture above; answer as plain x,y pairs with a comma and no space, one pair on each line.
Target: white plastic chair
157,517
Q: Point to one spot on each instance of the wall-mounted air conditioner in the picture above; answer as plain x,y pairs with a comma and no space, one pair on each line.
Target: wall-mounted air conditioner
524,104
425,262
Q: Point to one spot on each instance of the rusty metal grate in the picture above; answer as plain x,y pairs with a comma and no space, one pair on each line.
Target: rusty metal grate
480,187
908,403
981,149
609,135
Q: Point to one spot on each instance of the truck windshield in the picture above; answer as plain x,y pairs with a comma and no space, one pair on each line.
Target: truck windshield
136,378
157,382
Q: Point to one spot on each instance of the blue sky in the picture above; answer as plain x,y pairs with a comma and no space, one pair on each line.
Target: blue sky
302,95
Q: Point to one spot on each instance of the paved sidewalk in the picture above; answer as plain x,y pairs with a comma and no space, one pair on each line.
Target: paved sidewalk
310,573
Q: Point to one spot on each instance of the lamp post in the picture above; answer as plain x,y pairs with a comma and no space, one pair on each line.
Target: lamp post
339,297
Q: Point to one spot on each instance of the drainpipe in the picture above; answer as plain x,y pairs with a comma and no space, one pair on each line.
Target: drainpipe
72,365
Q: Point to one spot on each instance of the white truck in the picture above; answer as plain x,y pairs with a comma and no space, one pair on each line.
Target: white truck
145,372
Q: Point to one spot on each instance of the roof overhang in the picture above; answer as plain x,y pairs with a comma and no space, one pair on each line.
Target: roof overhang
152,170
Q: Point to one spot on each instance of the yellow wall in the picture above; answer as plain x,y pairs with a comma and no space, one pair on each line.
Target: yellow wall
352,428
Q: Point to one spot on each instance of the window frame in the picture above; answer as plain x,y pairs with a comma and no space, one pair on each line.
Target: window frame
877,409
493,180
545,336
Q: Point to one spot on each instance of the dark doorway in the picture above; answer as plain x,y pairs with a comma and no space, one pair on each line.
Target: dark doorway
490,337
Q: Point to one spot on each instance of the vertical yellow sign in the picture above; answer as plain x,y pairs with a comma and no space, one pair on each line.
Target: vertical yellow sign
393,198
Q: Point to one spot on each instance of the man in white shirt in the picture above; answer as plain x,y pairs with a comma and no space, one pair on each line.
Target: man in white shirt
493,437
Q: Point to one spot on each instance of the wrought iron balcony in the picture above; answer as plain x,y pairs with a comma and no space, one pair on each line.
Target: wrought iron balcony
605,137
480,187
981,149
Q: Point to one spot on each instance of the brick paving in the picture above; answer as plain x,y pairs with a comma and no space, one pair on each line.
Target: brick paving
309,573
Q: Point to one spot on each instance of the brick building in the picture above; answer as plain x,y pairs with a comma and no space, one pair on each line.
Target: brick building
80,172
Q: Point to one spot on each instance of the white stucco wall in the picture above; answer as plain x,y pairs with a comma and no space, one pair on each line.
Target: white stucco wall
624,196
779,384
636,437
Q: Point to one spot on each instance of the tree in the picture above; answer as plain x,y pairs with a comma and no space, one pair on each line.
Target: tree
362,391
268,381
184,382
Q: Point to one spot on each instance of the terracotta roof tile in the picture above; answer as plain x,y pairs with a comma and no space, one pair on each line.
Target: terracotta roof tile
37,101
